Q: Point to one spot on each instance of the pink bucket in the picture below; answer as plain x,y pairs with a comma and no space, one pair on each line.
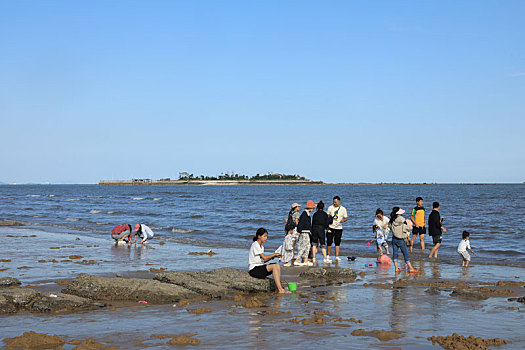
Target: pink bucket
384,259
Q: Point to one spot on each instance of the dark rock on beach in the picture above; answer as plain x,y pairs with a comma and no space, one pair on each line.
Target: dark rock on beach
456,342
13,300
11,223
519,300
169,287
63,303
468,293
9,281
219,283
345,274
115,288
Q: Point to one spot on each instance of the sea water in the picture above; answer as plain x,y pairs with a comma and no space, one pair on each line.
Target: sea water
228,216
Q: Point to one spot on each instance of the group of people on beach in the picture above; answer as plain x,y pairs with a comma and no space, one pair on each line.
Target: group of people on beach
124,233
307,233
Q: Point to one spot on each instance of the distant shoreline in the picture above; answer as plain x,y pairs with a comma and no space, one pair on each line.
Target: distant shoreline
209,182
276,182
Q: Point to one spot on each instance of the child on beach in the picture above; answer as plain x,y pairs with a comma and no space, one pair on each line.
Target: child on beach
462,248
287,248
381,243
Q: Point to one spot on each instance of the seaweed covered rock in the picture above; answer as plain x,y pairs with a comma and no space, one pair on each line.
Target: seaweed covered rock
13,299
130,289
9,281
219,283
61,302
456,342
345,274
32,340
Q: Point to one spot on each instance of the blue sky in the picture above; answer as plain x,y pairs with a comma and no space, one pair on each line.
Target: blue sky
340,91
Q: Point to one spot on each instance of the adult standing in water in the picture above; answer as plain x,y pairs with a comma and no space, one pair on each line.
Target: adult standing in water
304,228
400,231
143,232
435,229
319,226
335,230
418,218
257,259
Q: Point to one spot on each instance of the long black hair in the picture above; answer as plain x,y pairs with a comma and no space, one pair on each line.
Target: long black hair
393,214
292,210
260,231
320,205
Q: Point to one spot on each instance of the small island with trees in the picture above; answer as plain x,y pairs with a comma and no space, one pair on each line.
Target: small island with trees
227,178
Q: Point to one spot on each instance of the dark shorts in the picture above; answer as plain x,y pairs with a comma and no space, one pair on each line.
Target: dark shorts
318,236
436,239
334,236
260,272
419,230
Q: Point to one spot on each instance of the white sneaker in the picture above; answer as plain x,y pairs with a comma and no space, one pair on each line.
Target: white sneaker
314,261
309,263
299,264
287,264
337,258
327,261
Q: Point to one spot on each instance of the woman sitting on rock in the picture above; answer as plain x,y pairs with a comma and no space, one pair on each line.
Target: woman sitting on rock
257,260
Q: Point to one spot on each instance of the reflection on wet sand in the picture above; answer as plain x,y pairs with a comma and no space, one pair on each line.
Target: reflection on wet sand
415,309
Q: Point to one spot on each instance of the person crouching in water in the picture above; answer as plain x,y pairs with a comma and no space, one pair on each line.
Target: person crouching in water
122,233
257,260
304,228
144,232
287,248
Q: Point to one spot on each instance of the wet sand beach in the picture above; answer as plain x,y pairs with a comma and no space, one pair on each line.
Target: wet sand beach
377,310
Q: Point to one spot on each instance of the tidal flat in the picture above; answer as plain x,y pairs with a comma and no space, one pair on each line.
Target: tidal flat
377,309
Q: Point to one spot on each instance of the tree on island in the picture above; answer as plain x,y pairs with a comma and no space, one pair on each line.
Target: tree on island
185,176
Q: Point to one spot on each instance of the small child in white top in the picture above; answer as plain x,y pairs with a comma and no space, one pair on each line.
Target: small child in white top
287,248
462,248
380,241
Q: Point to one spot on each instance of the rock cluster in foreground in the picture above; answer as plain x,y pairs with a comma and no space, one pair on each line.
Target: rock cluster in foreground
166,287
15,299
169,287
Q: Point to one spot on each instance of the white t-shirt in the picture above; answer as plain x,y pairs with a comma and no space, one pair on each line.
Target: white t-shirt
254,258
380,238
381,224
146,232
463,245
340,211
